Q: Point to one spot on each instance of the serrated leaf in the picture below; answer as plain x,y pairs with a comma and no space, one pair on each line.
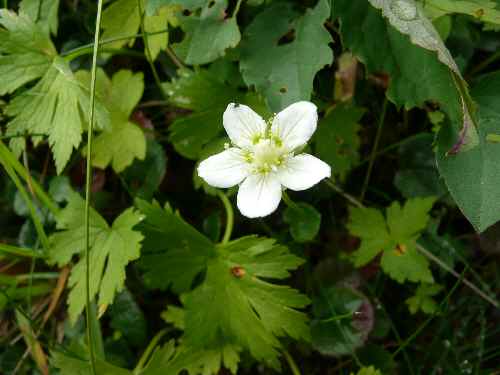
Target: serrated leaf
71,365
122,19
337,141
235,297
472,178
304,221
26,51
44,12
395,237
209,33
58,107
188,249
124,141
422,300
284,73
112,248
411,85
208,98
233,293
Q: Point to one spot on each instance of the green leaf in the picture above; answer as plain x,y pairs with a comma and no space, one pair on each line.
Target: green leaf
112,248
201,92
208,33
418,175
422,300
482,10
122,19
284,72
71,365
124,141
128,319
304,221
472,177
232,294
385,49
336,328
337,141
43,12
395,237
367,371
26,51
235,297
57,106
174,252
145,176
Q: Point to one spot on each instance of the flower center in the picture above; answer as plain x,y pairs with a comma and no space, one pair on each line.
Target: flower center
266,156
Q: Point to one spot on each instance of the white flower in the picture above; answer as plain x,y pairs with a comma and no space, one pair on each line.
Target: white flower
262,157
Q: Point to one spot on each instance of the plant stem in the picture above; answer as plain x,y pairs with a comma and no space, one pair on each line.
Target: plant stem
9,158
293,366
374,150
288,201
147,353
346,196
148,51
75,52
448,269
483,64
88,182
19,251
229,217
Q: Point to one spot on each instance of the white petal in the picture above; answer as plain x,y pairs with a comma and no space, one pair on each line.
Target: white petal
259,195
295,124
243,125
302,172
224,169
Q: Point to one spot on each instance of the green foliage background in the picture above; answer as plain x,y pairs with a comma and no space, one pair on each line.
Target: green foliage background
388,267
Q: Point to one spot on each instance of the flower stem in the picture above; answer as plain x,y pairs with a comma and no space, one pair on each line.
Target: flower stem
229,215
288,201
374,150
293,366
88,182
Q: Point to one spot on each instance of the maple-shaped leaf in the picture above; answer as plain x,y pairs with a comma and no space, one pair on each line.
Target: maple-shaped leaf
422,300
112,248
56,106
395,237
124,141
235,293
204,93
26,51
122,19
277,55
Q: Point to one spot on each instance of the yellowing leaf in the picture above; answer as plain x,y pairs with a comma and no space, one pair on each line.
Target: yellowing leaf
124,141
395,237
56,106
112,248
26,51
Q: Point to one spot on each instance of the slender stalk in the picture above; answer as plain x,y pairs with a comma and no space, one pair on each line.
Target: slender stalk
147,50
88,182
147,353
346,196
293,366
444,266
229,215
483,64
374,150
114,51
8,157
29,203
75,52
288,201
19,251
